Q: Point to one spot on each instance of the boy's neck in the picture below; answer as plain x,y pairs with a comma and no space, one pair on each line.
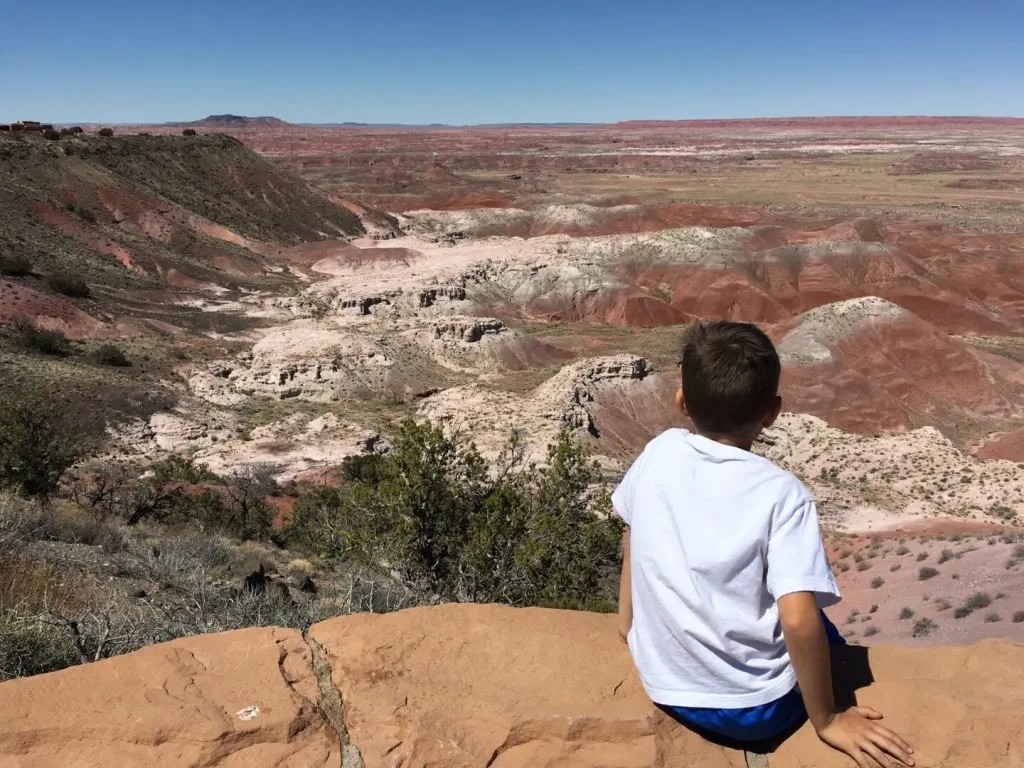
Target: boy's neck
744,443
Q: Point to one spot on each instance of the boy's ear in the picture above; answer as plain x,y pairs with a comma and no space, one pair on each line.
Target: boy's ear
772,413
681,401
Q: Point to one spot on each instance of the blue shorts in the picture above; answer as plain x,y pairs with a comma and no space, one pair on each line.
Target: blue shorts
759,723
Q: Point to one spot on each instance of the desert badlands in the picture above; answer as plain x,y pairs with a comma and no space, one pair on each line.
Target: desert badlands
235,320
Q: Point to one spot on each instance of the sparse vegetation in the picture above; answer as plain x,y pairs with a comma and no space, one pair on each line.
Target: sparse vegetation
926,573
1018,617
870,631
189,132
113,355
992,616
978,600
15,265
68,285
877,582
945,556
105,132
924,627
902,550
27,335
922,556
906,613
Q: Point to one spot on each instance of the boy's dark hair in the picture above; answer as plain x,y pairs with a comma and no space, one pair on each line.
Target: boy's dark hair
730,375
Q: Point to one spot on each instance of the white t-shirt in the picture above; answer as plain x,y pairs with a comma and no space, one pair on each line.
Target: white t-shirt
717,536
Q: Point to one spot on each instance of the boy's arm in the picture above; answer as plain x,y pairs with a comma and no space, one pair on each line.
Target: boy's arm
625,590
854,731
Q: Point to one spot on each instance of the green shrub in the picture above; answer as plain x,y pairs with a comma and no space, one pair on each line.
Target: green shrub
69,285
189,132
28,335
906,613
978,600
181,469
927,573
105,132
992,617
113,355
945,555
51,135
362,468
877,582
962,612
922,556
1018,617
446,523
30,646
38,443
12,265
924,627
85,215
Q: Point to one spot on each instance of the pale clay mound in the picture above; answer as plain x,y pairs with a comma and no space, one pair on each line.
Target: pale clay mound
526,688
489,417
865,483
819,330
347,357
559,269
211,436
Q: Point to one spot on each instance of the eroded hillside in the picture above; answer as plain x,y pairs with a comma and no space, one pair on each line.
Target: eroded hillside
243,348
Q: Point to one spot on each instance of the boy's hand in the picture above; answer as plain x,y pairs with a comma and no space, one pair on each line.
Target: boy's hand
857,733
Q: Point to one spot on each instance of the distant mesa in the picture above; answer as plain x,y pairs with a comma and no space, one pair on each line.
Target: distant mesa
239,121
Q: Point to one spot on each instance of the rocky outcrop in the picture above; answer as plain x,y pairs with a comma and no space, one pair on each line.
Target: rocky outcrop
463,686
566,400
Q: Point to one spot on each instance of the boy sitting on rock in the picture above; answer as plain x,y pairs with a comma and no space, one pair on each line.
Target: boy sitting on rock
724,573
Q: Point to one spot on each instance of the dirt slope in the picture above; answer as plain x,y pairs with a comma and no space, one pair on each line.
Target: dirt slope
144,211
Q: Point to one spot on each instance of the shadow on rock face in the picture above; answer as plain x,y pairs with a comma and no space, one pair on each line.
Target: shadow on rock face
851,671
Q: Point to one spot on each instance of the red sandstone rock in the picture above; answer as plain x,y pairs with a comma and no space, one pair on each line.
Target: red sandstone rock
246,698
486,685
466,685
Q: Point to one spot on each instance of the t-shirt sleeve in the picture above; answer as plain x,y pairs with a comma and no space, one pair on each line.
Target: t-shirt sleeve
796,555
624,494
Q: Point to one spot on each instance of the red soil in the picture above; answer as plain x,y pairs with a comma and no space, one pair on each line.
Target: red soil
1009,446
903,374
960,282
50,312
941,162
969,562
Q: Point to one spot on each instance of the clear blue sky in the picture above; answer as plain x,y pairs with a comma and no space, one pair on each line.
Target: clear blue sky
463,61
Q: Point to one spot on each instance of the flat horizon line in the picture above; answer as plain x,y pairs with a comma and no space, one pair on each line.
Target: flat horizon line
556,124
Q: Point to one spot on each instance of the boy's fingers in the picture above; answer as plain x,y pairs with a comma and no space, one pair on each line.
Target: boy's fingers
877,755
892,747
895,737
868,712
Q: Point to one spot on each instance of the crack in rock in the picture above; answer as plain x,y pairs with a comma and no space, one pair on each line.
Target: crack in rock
331,703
